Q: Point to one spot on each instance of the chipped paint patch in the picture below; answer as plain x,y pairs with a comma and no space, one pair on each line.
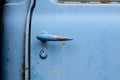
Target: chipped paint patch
63,44
59,37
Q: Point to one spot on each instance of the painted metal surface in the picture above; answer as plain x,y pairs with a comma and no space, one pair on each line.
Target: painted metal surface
13,40
92,55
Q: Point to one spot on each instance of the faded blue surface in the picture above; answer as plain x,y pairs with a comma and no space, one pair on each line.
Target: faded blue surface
94,54
13,43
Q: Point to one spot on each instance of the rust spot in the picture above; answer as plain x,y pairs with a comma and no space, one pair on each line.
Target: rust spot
105,1
7,59
54,69
85,1
118,1
38,63
89,2
59,37
63,44
23,69
8,48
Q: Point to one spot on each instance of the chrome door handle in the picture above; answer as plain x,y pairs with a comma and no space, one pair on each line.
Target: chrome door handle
44,36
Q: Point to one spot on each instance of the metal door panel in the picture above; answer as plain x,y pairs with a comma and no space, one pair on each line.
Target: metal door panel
94,52
13,39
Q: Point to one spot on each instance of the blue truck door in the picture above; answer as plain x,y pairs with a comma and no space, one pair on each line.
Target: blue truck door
93,51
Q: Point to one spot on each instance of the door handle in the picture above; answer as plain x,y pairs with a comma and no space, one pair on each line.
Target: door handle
44,36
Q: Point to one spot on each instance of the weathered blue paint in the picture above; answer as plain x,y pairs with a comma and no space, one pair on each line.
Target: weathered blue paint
92,55
51,37
13,41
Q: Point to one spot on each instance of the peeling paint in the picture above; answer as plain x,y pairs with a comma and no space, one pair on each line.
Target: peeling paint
63,44
7,59
59,37
23,69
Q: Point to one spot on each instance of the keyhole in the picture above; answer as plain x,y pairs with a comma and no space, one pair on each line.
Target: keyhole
43,54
